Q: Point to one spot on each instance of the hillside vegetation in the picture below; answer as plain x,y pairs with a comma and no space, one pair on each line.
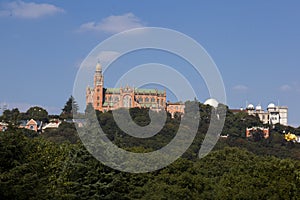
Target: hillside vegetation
56,165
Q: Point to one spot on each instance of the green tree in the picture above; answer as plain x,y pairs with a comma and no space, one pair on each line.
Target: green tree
12,116
66,132
28,166
37,113
71,107
89,108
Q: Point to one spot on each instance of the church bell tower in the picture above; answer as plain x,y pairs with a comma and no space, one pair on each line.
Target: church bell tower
98,88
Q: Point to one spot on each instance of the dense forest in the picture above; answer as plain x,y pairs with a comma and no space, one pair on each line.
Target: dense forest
56,165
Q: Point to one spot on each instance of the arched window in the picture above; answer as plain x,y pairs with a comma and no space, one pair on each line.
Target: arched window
98,98
152,99
146,99
140,99
127,101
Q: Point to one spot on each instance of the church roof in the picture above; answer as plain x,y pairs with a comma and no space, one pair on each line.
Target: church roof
136,91
148,91
113,90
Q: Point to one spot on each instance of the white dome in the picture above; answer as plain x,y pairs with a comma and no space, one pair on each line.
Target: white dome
212,102
258,107
250,106
271,105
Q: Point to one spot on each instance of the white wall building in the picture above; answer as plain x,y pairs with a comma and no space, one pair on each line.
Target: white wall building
273,115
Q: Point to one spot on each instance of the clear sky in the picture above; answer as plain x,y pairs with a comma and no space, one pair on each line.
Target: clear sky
255,44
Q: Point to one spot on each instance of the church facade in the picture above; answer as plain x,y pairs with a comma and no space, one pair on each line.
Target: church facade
105,99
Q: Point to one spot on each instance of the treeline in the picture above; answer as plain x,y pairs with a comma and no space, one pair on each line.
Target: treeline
14,116
56,165
235,127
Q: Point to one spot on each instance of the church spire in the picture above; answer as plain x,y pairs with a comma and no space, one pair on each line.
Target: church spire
98,77
98,67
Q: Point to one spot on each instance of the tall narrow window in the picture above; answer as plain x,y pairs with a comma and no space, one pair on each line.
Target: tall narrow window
127,101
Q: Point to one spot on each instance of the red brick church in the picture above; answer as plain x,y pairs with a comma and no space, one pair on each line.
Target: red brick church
105,99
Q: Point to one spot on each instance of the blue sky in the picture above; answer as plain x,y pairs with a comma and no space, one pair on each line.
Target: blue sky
255,44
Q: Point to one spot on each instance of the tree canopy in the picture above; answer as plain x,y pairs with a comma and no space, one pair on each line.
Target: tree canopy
37,113
56,165
71,107
35,168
